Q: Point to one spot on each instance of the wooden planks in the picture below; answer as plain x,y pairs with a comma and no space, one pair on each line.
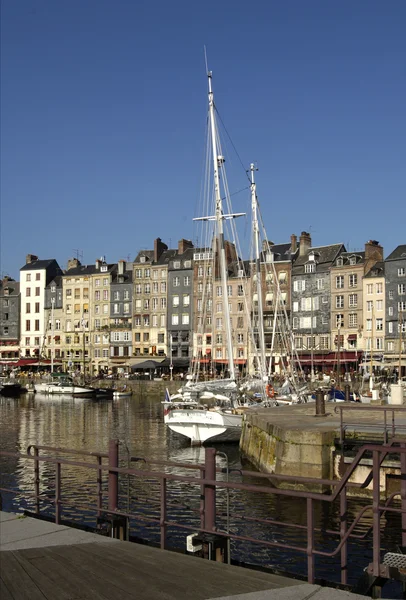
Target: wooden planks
122,572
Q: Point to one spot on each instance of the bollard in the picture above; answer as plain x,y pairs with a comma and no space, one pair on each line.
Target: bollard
320,404
347,392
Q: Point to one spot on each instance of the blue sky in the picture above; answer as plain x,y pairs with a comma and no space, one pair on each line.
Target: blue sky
103,111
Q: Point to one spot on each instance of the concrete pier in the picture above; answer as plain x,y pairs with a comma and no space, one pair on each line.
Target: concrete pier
43,561
292,440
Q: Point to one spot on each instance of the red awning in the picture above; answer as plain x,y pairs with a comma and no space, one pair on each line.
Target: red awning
352,336
22,362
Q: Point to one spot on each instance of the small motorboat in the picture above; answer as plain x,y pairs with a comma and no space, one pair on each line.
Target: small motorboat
12,390
122,392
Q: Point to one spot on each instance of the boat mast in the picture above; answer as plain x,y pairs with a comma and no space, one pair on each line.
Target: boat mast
255,228
218,161
52,334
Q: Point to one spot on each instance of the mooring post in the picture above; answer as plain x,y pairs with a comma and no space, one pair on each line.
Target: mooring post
320,405
347,392
210,490
113,476
99,487
162,520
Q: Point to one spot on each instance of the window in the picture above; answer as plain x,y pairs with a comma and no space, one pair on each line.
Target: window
353,260
339,282
299,286
163,287
126,307
28,326
240,307
295,306
369,324
186,281
28,277
146,304
295,322
379,288
146,320
240,322
105,294
219,323
310,268
390,311
390,294
219,307
240,338
320,284
116,295
353,280
147,288
339,301
137,321
97,295
219,338
391,346
105,281
370,288
402,306
390,327
36,324
379,343
85,293
163,303
352,320
339,320
5,330
311,342
97,309
175,319
379,305
154,320
370,305
147,272
97,282
282,277
137,337
116,309
185,319
353,300
176,281
186,300
219,291
229,290
379,324
105,352
145,336
401,271
28,292
163,320
28,308
402,289
324,343
175,300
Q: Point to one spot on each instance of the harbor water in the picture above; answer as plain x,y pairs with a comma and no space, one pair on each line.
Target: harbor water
137,422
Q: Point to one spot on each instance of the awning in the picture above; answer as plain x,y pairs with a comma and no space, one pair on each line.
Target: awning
236,361
352,336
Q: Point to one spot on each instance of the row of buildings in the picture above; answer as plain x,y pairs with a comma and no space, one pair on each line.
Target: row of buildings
168,303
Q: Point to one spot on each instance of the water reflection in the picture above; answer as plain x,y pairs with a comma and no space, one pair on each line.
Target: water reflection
138,424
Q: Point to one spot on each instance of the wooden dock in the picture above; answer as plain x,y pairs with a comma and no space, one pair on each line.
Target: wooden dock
47,564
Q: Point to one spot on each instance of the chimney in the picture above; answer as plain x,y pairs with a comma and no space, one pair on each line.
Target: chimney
30,258
97,263
293,243
266,245
373,254
305,243
184,245
73,263
121,267
159,247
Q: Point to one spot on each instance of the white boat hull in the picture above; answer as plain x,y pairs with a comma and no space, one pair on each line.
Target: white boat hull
200,425
54,388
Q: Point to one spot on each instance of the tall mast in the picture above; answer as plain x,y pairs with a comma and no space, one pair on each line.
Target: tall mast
218,161
261,335
52,334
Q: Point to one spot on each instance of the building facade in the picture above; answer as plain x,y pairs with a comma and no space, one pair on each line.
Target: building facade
9,322
395,296
121,290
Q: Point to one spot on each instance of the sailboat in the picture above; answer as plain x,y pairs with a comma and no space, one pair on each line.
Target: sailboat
204,410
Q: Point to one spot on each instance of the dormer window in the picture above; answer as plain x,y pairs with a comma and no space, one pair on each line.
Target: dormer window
176,264
353,260
312,257
269,257
53,289
103,268
142,259
310,267
340,262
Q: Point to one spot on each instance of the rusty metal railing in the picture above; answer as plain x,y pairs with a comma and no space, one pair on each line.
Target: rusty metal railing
388,427
208,483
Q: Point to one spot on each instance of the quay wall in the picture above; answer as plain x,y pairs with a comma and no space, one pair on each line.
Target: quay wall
291,442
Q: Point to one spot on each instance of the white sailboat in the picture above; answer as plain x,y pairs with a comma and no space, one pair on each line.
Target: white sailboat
209,409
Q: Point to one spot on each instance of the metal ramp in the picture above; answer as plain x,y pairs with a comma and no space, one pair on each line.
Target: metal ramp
393,567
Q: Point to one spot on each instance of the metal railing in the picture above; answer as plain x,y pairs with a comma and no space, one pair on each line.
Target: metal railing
208,483
389,426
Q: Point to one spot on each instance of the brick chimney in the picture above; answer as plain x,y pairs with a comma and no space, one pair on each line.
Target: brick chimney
373,254
293,243
121,267
184,245
97,263
159,247
30,258
73,263
305,243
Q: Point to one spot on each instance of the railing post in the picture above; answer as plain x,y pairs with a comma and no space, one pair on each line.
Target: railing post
403,492
310,541
36,479
385,428
202,499
163,513
210,490
58,508
376,517
113,476
341,427
343,531
99,487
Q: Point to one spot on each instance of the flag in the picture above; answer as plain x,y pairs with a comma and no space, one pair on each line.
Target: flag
167,396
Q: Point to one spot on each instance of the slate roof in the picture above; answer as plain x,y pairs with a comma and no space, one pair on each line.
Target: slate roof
280,252
166,256
148,253
347,255
127,276
36,265
57,280
82,270
398,253
378,270
11,285
326,256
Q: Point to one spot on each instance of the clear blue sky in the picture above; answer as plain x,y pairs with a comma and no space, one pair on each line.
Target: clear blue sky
103,109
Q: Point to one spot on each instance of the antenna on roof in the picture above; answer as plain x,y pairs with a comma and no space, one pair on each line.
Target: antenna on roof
128,257
78,253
